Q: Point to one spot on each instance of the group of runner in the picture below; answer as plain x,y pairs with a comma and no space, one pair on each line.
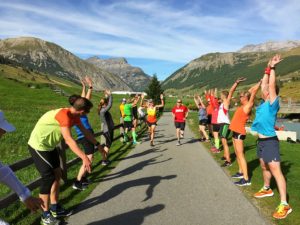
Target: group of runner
215,116
56,125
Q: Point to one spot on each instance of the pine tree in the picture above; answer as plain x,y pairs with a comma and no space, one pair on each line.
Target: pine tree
154,90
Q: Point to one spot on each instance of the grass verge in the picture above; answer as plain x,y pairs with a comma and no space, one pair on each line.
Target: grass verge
290,156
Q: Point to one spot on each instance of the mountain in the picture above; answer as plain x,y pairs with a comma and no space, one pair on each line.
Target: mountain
222,69
134,76
36,54
270,46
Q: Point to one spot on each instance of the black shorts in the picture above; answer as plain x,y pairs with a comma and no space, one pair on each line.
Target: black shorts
107,139
180,125
88,147
216,127
128,124
208,119
268,149
224,130
151,124
135,113
203,122
45,161
238,136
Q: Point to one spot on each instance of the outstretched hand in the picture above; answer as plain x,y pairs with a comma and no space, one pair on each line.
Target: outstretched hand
82,82
161,96
89,81
275,60
34,204
240,79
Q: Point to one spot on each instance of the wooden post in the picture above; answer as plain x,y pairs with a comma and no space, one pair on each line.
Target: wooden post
63,159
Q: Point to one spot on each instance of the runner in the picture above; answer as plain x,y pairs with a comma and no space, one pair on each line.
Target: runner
8,177
123,102
81,182
203,120
151,116
237,126
212,95
224,121
180,113
268,144
135,113
46,135
209,110
107,124
128,124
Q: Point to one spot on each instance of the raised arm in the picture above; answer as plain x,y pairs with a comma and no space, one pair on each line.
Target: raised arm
233,87
196,97
110,101
272,79
142,100
253,90
83,88
135,101
162,102
201,102
88,80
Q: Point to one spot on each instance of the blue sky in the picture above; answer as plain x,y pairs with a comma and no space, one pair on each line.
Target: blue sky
158,36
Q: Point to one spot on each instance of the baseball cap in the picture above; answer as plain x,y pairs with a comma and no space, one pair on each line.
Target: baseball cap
150,100
124,100
4,125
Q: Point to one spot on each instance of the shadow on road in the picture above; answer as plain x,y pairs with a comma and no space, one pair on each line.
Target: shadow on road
151,182
134,217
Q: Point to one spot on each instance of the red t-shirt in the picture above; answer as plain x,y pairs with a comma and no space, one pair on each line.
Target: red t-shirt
180,113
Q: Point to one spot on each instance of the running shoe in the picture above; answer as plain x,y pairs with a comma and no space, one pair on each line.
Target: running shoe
85,181
104,162
264,193
238,175
60,212
243,182
151,144
282,211
215,150
77,185
136,142
226,164
49,220
178,143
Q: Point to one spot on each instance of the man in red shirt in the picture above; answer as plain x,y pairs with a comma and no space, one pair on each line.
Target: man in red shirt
180,113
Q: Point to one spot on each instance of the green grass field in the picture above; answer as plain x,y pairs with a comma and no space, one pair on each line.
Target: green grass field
23,106
290,165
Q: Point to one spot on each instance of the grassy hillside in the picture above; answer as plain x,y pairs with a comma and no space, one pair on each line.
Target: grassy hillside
24,100
220,70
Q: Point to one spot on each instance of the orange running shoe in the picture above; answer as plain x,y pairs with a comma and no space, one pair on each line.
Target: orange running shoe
264,193
282,211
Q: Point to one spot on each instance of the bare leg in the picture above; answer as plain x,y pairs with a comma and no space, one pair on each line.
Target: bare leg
178,133
226,150
266,173
237,158
239,145
55,186
280,180
202,129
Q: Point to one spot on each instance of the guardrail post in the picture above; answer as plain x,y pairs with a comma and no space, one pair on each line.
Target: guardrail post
63,159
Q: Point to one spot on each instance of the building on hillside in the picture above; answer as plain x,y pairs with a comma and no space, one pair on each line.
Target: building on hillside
128,93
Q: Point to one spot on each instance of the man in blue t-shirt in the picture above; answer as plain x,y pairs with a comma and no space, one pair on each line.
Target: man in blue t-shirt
268,144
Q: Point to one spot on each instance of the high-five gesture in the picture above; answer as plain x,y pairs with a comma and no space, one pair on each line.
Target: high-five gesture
89,81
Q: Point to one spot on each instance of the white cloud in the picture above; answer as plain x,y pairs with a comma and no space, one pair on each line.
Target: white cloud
142,29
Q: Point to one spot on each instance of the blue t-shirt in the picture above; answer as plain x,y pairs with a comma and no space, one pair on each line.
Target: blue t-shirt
265,118
85,122
202,114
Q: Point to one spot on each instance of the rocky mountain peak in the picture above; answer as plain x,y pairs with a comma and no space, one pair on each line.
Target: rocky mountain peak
270,46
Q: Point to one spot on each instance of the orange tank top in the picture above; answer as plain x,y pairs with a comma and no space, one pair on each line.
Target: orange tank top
238,121
151,118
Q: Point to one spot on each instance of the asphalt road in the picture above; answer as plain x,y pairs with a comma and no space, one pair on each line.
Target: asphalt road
167,185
